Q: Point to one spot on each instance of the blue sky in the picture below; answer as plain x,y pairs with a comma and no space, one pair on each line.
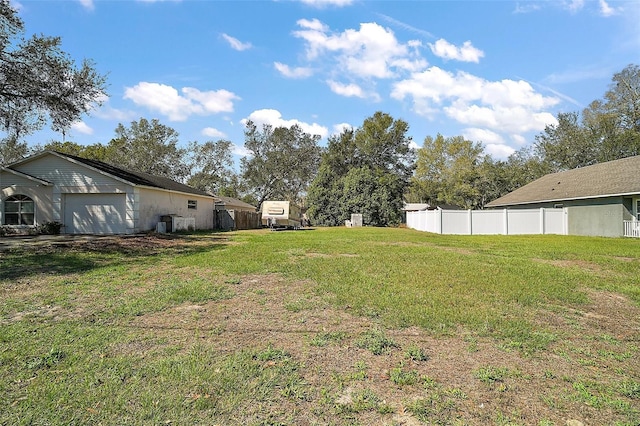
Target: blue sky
495,72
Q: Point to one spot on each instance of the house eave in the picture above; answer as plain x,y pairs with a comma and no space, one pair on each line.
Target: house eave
172,191
26,176
556,200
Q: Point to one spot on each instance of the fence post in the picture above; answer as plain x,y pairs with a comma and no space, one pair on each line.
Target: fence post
439,217
505,221
470,221
542,220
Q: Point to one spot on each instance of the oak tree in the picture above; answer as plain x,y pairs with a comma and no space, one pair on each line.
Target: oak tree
39,83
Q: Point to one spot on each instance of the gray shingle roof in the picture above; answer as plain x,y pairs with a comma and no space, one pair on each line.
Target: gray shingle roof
137,178
233,202
618,177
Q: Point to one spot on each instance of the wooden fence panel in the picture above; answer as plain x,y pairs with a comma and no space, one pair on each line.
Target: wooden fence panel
228,220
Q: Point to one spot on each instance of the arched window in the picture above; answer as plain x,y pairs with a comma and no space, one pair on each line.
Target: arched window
18,210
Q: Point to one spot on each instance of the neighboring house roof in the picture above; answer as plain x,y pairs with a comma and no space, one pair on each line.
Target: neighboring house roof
415,207
134,178
612,178
233,202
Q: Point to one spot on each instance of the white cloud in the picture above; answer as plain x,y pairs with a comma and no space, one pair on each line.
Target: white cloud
352,90
81,127
526,7
324,3
87,4
465,53
482,135
347,90
298,72
499,151
501,106
519,139
493,143
236,44
339,128
371,51
107,112
178,107
606,10
213,133
574,5
240,151
274,118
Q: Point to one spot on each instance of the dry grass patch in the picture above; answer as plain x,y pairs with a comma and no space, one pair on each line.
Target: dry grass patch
464,378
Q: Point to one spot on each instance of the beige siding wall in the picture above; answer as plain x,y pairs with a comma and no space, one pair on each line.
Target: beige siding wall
155,203
144,206
10,184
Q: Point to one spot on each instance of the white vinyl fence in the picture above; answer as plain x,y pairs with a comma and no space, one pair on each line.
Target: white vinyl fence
476,222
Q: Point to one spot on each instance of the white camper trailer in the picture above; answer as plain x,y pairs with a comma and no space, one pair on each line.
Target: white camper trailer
281,214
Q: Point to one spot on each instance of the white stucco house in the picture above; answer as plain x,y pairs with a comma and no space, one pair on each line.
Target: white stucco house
92,197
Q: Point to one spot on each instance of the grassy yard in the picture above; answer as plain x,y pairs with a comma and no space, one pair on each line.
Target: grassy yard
326,326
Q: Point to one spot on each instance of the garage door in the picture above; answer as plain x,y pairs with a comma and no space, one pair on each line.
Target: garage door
95,214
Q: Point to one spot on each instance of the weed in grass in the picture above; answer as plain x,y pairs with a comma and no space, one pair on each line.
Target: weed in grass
402,377
295,389
325,338
233,281
360,372
272,354
519,336
492,375
375,341
504,420
298,305
455,393
429,383
415,353
434,409
358,402
630,389
46,361
473,345
599,396
615,355
546,422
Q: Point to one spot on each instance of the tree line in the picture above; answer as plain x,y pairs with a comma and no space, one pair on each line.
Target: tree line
371,169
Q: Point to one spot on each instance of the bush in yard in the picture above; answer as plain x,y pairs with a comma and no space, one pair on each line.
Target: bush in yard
50,228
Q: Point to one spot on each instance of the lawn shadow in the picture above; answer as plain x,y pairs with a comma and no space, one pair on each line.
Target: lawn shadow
68,256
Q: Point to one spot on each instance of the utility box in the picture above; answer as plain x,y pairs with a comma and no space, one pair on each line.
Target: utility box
175,223
356,219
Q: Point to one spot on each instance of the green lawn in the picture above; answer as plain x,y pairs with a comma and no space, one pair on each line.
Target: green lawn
236,328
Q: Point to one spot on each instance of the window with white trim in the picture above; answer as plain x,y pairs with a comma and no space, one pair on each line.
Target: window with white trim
19,210
192,204
637,208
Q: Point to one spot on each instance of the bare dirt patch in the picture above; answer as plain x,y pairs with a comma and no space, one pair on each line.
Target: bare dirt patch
581,264
146,243
463,378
